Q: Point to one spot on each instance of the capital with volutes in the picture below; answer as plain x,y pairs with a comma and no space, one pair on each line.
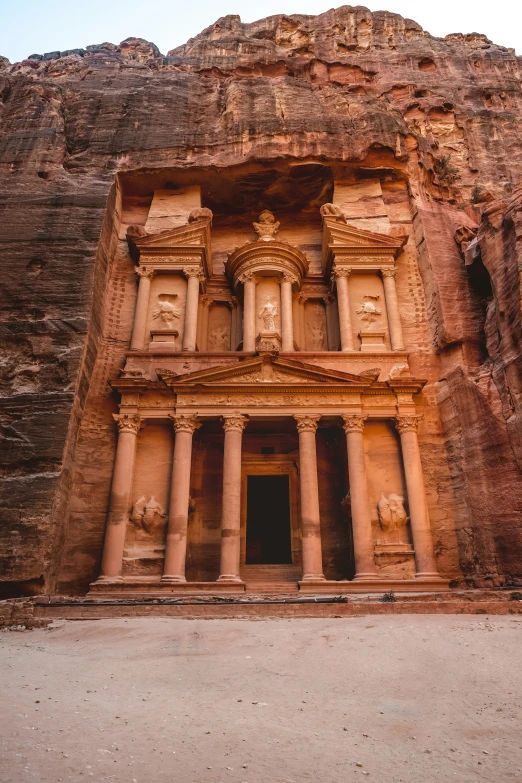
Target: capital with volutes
184,423
408,423
353,422
306,422
234,421
193,271
145,271
389,272
128,422
341,272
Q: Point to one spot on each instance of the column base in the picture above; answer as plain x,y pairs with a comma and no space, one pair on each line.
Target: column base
370,576
172,580
428,576
230,578
313,578
109,580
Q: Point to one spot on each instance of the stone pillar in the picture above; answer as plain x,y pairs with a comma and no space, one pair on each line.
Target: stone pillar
310,518
363,544
328,300
249,312
392,308
343,303
205,303
193,275
302,320
287,319
145,275
426,567
233,323
120,498
176,544
233,424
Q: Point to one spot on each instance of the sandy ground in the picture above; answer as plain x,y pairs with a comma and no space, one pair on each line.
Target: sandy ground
383,699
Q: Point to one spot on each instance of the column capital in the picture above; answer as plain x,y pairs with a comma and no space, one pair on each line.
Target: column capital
247,277
193,271
288,277
145,271
353,422
340,272
408,423
205,300
184,423
306,423
234,421
128,422
389,272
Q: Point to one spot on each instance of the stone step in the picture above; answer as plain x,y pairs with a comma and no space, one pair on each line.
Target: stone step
270,573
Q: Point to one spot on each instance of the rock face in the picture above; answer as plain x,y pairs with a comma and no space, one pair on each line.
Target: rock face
268,113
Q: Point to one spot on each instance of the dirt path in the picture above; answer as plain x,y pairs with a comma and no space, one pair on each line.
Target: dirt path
143,701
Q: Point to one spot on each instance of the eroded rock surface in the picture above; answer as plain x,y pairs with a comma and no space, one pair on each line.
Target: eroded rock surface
373,92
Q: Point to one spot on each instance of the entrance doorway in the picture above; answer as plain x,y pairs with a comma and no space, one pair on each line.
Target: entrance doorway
268,520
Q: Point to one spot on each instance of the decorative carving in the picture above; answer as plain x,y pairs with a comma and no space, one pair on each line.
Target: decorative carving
316,336
353,422
166,311
306,422
219,338
234,421
287,277
341,272
392,516
147,516
184,423
128,422
193,271
268,341
390,272
399,369
247,277
408,423
135,374
145,271
200,212
371,375
331,210
368,310
267,227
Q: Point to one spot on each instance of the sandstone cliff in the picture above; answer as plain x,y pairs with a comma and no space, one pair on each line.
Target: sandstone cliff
348,87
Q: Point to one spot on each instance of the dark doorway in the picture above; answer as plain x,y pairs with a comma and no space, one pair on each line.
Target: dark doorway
268,521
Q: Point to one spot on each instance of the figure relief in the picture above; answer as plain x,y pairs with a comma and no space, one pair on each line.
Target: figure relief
267,226
147,516
166,311
268,314
316,337
331,210
392,516
368,310
219,339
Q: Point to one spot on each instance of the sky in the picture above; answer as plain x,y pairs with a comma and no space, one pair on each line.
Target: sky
39,26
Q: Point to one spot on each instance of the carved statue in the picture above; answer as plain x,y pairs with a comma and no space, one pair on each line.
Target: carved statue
147,516
267,227
219,338
368,310
399,370
198,213
269,313
392,516
166,311
331,210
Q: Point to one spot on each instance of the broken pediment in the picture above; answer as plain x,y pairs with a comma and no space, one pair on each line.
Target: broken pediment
183,240
261,370
343,241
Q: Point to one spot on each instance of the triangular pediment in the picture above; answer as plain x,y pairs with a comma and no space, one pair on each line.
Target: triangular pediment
264,370
342,234
196,233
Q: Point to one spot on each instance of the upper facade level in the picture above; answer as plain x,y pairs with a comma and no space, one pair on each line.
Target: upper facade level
269,294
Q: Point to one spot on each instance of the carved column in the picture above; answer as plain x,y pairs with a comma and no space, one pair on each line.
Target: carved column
193,275
120,497
363,544
310,517
249,312
145,275
392,308
205,303
287,321
426,567
302,321
328,300
233,424
343,303
176,543
233,323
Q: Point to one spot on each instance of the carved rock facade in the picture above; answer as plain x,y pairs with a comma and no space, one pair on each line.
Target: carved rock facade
339,315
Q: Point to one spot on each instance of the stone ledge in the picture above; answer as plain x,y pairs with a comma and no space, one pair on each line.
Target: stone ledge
374,586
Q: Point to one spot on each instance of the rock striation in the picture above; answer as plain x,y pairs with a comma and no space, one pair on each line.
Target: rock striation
274,111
